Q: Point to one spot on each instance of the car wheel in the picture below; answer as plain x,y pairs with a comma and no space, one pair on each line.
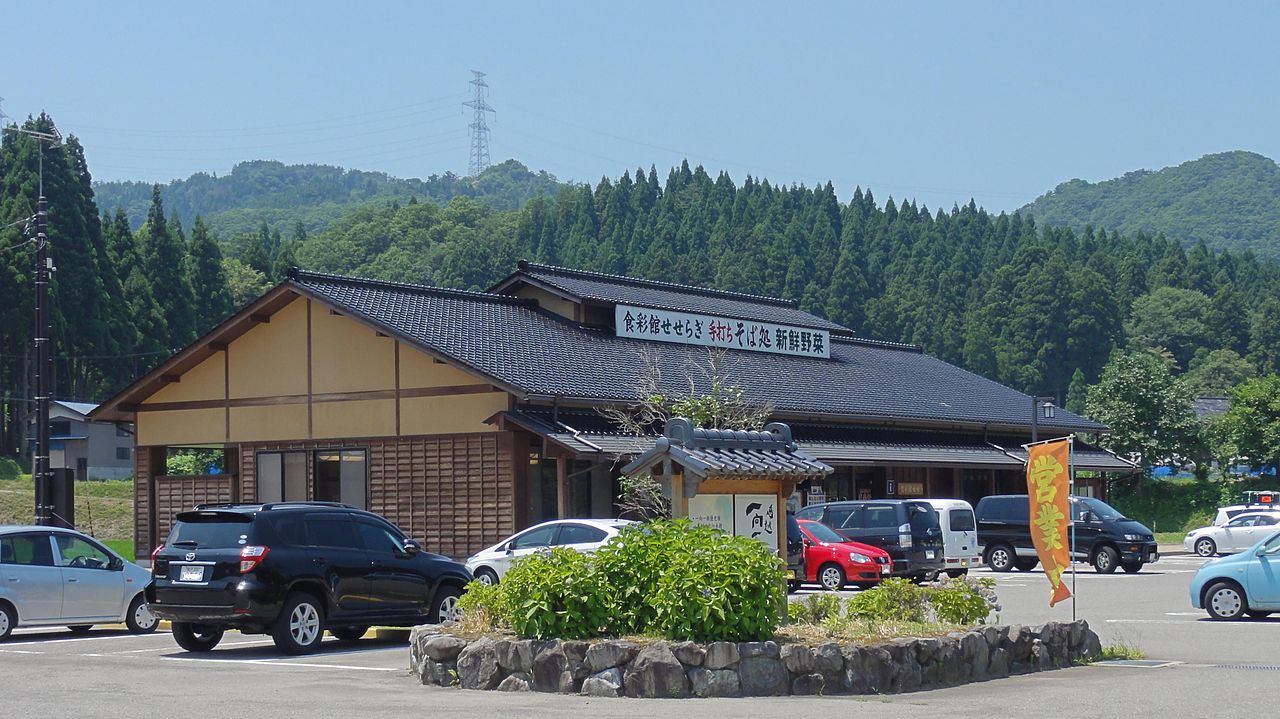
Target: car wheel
196,637
486,576
1105,560
957,573
139,619
348,634
8,620
1131,567
1026,564
300,626
1224,601
831,577
1000,558
1206,547
1257,614
80,628
444,608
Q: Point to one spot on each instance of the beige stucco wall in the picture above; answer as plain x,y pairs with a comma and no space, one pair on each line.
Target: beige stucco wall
204,381
271,359
361,418
347,356
181,427
450,414
284,421
548,301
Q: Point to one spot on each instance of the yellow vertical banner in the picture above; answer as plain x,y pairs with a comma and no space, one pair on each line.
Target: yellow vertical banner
1048,488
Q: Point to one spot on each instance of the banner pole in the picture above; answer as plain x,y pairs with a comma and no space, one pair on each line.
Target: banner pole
1071,490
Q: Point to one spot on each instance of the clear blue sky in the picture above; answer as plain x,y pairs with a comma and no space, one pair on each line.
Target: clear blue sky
938,101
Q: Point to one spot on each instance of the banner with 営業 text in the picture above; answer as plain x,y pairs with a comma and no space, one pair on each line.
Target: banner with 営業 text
1048,488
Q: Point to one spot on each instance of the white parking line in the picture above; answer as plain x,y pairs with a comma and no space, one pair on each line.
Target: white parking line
76,639
273,663
171,647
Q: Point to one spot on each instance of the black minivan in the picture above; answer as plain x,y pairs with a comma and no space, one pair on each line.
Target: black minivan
905,528
1103,536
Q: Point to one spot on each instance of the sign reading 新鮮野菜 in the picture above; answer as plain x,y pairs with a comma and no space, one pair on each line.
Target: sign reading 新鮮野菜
711,331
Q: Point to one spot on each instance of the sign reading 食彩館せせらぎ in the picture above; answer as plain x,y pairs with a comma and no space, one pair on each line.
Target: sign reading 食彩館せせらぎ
1048,490
711,331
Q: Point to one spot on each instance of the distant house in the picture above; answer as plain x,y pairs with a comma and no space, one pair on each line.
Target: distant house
1206,407
95,450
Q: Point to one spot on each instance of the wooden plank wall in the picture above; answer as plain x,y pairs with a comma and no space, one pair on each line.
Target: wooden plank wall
179,494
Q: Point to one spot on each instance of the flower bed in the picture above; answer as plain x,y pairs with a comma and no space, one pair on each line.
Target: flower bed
730,669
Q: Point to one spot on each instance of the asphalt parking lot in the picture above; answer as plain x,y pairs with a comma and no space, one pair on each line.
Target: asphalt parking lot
110,673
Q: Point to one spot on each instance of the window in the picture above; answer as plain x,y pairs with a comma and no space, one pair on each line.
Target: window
79,554
580,534
540,537
31,550
211,531
340,476
332,531
1243,522
123,430
124,453
841,516
881,516
814,513
290,529
379,539
961,520
1265,521
60,427
282,477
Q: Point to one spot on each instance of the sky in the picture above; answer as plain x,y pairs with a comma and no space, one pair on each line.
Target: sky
937,102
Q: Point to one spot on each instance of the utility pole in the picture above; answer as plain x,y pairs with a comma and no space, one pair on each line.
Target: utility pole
479,124
44,369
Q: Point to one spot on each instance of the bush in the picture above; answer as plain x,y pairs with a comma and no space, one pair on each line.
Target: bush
483,605
1179,507
553,595
958,601
893,599
816,608
963,602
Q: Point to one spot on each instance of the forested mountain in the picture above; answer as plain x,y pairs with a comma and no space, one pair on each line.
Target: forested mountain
1230,200
315,195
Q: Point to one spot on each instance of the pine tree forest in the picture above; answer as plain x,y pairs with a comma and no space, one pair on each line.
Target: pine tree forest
1038,308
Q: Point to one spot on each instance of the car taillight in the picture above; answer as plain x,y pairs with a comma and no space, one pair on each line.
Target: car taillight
904,536
251,557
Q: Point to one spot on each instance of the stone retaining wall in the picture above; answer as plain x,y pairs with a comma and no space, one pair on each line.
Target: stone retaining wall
727,669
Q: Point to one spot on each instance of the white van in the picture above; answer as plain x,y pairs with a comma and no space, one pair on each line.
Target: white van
959,535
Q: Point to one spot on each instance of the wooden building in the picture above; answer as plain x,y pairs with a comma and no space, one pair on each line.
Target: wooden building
464,416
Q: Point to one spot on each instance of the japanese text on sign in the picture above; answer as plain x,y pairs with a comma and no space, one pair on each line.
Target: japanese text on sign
685,328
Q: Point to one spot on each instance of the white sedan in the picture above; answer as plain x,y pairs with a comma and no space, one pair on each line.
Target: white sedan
1238,534
52,576
584,535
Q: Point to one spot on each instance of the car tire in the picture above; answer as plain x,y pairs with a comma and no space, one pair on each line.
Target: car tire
139,618
1026,564
444,606
1105,560
1206,547
8,620
80,628
957,573
1225,601
300,626
1000,557
1131,567
1257,614
349,634
196,637
486,576
831,577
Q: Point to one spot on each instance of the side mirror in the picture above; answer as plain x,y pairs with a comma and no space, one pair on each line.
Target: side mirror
1087,516
509,548
807,542
117,564
411,547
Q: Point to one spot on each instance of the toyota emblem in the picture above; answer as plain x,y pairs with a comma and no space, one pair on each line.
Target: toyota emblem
191,556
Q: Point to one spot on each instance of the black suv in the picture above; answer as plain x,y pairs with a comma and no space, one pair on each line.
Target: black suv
293,570
1103,536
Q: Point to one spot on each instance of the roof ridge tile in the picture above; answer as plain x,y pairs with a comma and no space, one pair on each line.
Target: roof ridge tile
527,266
299,275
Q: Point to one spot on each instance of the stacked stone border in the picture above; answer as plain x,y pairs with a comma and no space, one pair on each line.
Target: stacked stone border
613,668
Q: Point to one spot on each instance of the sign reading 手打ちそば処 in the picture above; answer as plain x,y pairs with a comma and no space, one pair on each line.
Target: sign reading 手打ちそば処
711,331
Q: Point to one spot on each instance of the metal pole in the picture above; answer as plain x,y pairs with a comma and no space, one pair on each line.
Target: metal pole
1071,490
43,390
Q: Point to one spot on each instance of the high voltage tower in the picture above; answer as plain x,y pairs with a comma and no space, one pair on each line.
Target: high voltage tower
2,115
479,124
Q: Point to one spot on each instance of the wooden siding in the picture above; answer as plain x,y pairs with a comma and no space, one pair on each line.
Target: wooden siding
181,493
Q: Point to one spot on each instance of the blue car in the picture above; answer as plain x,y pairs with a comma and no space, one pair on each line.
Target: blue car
1244,583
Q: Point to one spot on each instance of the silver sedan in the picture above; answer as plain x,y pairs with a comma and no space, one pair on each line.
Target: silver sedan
51,576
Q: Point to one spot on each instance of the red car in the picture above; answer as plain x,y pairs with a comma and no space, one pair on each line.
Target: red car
831,560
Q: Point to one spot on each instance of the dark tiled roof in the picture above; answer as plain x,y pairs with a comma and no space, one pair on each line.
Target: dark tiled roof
714,452
538,354
1210,406
616,289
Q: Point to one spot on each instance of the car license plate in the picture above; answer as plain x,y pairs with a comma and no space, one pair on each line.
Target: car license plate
928,554
1153,557
791,574
884,569
191,574
964,562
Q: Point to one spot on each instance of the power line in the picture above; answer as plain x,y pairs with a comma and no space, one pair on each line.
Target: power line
479,124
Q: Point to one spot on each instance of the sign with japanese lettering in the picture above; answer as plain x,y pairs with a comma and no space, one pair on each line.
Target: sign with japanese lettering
1048,488
710,331
756,516
712,510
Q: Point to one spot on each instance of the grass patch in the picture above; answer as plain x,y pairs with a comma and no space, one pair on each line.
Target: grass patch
104,509
1121,651
1170,537
123,547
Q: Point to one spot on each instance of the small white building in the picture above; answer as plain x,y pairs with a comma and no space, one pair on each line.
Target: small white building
95,450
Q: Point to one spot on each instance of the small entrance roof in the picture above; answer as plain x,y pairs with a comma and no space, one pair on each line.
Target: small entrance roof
714,453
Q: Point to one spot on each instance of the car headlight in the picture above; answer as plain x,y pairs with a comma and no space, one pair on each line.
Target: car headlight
1133,537
859,558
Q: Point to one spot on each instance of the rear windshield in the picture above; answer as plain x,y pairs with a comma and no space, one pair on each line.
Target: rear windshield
212,531
961,520
922,516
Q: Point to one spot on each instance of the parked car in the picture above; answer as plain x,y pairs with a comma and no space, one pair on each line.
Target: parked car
1226,514
830,560
1103,536
959,535
1238,534
795,553
293,570
1247,583
490,564
907,529
52,576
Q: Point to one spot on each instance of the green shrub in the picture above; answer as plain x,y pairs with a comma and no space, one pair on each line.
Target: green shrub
629,568
484,605
816,608
895,599
553,595
962,602
9,469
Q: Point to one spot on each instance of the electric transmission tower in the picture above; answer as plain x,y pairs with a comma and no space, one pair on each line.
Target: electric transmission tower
3,116
479,124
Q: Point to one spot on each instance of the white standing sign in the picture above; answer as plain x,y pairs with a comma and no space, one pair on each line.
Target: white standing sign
756,516
710,331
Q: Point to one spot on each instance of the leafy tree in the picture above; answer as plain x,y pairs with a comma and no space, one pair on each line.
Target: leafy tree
1264,337
1078,392
1172,319
164,258
1149,413
244,284
1250,430
1215,373
207,278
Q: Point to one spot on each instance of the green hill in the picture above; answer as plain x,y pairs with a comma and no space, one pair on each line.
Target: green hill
1230,200
281,195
